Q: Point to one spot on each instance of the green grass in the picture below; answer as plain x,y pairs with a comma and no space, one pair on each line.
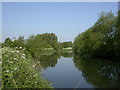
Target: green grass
48,51
67,50
18,70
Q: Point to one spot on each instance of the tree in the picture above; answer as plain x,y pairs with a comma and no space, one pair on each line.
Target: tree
66,44
101,40
37,44
20,42
8,43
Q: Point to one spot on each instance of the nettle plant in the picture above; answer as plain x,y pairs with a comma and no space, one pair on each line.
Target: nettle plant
18,70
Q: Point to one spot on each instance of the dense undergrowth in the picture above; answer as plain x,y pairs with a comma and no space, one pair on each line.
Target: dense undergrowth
18,70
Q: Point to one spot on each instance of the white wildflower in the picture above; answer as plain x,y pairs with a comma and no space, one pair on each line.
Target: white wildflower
17,51
10,62
35,82
23,54
38,62
20,47
12,51
33,65
23,57
7,71
0,62
15,68
15,58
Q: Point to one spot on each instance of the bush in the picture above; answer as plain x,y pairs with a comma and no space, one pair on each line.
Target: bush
18,70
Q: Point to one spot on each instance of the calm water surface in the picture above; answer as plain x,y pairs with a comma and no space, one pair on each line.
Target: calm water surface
66,71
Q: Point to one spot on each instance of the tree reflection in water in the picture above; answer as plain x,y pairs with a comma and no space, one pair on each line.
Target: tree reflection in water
67,55
100,73
49,60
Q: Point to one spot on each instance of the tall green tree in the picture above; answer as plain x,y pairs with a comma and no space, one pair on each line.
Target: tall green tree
101,40
37,44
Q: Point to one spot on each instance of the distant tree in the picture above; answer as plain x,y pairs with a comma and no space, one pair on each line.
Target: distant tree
66,44
8,43
19,42
36,44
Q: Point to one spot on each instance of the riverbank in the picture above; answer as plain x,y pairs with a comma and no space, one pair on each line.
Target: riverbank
18,70
67,50
50,51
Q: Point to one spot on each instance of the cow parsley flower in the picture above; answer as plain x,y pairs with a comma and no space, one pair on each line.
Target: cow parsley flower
20,47
33,65
15,68
10,62
17,51
23,57
23,54
7,71
15,58
12,51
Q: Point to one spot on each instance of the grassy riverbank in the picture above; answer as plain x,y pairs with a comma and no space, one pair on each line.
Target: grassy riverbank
67,50
49,51
18,70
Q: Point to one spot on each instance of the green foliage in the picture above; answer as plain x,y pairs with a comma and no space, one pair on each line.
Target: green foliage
8,43
48,51
66,50
0,69
66,44
101,40
20,42
36,45
18,70
67,55
49,60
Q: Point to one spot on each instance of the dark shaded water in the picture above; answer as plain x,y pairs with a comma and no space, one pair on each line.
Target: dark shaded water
66,71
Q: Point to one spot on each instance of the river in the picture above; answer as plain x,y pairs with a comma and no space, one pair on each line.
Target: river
68,71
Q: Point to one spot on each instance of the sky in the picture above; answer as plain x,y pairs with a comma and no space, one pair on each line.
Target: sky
65,19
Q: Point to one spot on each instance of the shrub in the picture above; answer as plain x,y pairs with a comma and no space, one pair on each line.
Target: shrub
18,70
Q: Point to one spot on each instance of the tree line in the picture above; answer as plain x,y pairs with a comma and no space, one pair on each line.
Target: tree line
36,44
100,40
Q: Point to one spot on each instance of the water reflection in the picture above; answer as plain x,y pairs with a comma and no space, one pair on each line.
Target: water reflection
97,73
100,73
67,55
49,60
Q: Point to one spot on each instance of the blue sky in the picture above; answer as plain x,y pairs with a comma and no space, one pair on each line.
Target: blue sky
65,19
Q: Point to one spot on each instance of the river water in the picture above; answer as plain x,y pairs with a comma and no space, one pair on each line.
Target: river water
68,71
